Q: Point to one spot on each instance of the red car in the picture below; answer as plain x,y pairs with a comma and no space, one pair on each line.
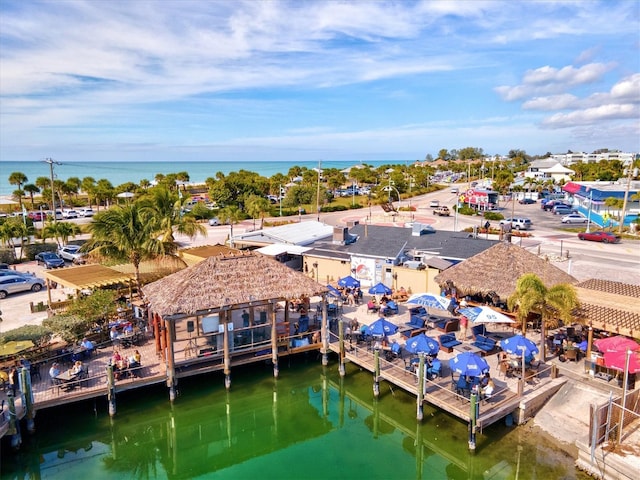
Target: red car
38,216
600,236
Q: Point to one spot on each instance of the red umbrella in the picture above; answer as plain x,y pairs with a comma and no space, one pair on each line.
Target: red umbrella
618,361
616,344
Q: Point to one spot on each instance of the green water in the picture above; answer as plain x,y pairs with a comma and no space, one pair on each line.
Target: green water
308,424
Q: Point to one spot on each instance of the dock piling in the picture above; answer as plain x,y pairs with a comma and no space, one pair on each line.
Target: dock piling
111,391
473,417
420,397
376,373
27,391
341,340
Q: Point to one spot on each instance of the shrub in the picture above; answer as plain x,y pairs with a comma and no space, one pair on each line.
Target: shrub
31,250
38,334
493,216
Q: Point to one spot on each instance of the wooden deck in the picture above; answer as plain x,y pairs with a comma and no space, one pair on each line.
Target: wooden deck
439,392
187,361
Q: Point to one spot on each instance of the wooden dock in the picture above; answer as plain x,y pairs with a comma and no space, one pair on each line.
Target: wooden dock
438,393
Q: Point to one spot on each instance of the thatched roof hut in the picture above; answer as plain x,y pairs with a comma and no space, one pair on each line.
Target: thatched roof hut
227,281
498,269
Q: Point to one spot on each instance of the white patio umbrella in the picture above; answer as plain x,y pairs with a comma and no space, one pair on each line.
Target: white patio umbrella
429,300
483,314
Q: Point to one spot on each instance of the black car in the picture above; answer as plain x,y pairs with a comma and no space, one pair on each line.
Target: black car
526,201
49,260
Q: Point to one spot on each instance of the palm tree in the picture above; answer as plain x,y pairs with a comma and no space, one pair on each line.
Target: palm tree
19,179
233,215
31,189
257,206
165,210
125,233
61,231
552,304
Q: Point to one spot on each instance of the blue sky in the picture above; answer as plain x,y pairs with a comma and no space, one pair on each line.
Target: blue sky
335,80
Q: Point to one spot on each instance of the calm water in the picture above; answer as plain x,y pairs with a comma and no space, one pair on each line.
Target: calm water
121,172
308,424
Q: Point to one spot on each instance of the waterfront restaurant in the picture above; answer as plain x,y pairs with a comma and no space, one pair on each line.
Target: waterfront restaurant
223,311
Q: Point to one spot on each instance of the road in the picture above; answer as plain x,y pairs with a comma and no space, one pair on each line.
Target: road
585,260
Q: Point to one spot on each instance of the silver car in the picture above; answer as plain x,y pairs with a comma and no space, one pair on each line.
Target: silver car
19,283
574,218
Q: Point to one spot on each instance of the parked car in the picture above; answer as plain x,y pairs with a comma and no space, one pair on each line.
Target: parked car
214,222
600,236
86,212
71,253
69,214
562,210
517,223
526,201
37,215
12,273
574,218
19,283
548,205
49,260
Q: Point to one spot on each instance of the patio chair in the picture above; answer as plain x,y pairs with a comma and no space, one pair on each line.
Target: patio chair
394,353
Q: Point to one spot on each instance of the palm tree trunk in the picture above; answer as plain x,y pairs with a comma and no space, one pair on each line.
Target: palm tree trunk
543,340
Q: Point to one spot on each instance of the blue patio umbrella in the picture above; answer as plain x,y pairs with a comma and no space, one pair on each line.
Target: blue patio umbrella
429,300
422,344
518,344
469,364
382,327
349,282
380,289
334,291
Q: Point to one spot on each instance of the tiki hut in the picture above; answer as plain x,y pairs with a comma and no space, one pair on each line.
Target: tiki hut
498,269
227,281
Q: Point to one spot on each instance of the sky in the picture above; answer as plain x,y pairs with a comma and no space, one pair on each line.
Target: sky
275,80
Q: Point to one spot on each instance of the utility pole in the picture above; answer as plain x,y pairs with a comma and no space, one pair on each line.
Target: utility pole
626,194
318,192
51,161
280,197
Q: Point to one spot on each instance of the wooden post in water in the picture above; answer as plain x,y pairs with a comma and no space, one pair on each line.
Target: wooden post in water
376,372
341,340
274,340
171,361
473,414
227,354
14,423
27,391
111,391
324,332
420,397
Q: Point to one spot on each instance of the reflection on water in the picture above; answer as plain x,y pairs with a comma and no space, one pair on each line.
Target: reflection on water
310,423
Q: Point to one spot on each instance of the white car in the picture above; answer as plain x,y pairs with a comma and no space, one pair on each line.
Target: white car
71,253
69,214
574,218
86,212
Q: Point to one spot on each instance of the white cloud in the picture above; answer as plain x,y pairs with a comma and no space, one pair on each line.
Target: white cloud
593,115
554,102
545,80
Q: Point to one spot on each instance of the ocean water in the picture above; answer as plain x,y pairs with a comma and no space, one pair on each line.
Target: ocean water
308,424
121,172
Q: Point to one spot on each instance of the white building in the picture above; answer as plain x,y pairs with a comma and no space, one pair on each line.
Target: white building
548,168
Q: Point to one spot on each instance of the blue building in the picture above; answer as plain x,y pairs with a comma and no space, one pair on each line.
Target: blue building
589,199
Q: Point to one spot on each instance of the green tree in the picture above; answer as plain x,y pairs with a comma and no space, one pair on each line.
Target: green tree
19,179
126,233
88,186
232,215
165,211
552,304
31,190
257,206
60,231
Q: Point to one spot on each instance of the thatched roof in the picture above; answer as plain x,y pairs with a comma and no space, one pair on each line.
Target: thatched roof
227,281
610,306
498,269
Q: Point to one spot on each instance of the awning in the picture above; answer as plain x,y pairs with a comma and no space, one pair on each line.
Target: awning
279,248
87,276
